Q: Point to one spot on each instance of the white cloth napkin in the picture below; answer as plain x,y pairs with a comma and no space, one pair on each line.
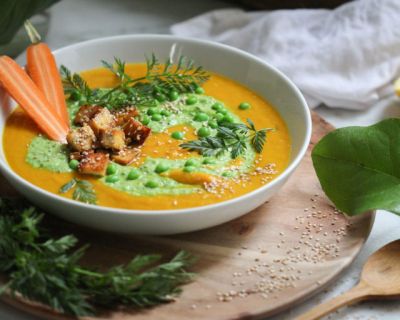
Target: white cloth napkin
347,57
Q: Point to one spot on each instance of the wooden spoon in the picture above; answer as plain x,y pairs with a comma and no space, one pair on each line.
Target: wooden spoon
380,279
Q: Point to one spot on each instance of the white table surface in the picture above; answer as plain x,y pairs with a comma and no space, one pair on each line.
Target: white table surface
76,20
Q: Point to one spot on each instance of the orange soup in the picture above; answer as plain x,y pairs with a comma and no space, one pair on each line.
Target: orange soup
201,149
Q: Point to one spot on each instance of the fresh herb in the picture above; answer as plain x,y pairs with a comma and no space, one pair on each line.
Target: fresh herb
142,91
182,77
359,167
74,84
118,68
47,270
83,190
231,137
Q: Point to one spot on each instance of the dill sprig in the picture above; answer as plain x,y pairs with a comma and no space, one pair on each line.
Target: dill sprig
83,192
47,270
230,137
182,77
74,83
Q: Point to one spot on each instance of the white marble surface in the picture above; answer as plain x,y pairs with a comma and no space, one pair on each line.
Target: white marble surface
76,20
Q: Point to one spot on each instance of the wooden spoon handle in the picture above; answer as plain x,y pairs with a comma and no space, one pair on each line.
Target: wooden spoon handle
356,294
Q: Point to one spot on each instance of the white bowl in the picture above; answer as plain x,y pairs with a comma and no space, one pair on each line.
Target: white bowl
252,72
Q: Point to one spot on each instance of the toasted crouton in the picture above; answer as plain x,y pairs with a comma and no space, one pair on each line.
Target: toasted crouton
85,114
113,139
126,156
94,163
136,132
102,121
123,116
81,139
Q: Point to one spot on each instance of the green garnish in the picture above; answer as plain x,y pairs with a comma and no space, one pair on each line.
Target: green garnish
178,135
231,137
47,270
73,164
161,81
83,190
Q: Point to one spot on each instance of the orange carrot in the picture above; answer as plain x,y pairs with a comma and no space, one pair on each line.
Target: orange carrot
42,68
22,89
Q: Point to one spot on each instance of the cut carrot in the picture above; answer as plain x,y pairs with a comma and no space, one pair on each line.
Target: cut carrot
42,68
22,89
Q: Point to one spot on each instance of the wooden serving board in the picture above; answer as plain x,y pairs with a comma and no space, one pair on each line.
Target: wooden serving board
249,268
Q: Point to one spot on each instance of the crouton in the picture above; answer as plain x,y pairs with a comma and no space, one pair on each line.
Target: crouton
136,132
85,114
81,139
102,121
123,116
94,163
126,156
113,139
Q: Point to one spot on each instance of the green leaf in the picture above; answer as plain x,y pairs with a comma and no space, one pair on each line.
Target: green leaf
84,192
13,13
68,186
359,167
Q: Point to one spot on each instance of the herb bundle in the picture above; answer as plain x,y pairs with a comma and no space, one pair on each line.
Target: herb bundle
47,270
230,137
159,80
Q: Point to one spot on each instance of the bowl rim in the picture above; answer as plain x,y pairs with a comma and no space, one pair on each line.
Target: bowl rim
191,210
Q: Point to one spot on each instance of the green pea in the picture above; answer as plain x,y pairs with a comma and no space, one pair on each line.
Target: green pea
145,120
209,161
178,135
153,111
161,97
223,111
189,169
73,164
217,106
199,90
228,118
191,163
191,100
203,132
111,169
173,95
201,116
113,178
165,113
156,117
161,167
151,184
244,106
213,124
133,174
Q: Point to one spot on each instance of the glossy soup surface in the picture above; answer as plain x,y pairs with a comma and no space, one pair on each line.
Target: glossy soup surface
20,131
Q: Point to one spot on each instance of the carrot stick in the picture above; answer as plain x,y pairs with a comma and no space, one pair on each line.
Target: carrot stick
22,89
42,68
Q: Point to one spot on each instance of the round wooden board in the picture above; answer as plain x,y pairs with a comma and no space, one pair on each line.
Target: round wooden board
249,268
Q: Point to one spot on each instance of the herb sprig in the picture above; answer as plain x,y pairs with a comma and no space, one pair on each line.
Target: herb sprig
230,137
83,190
182,77
47,270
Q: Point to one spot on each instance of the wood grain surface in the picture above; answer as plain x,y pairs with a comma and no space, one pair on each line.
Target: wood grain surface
258,265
